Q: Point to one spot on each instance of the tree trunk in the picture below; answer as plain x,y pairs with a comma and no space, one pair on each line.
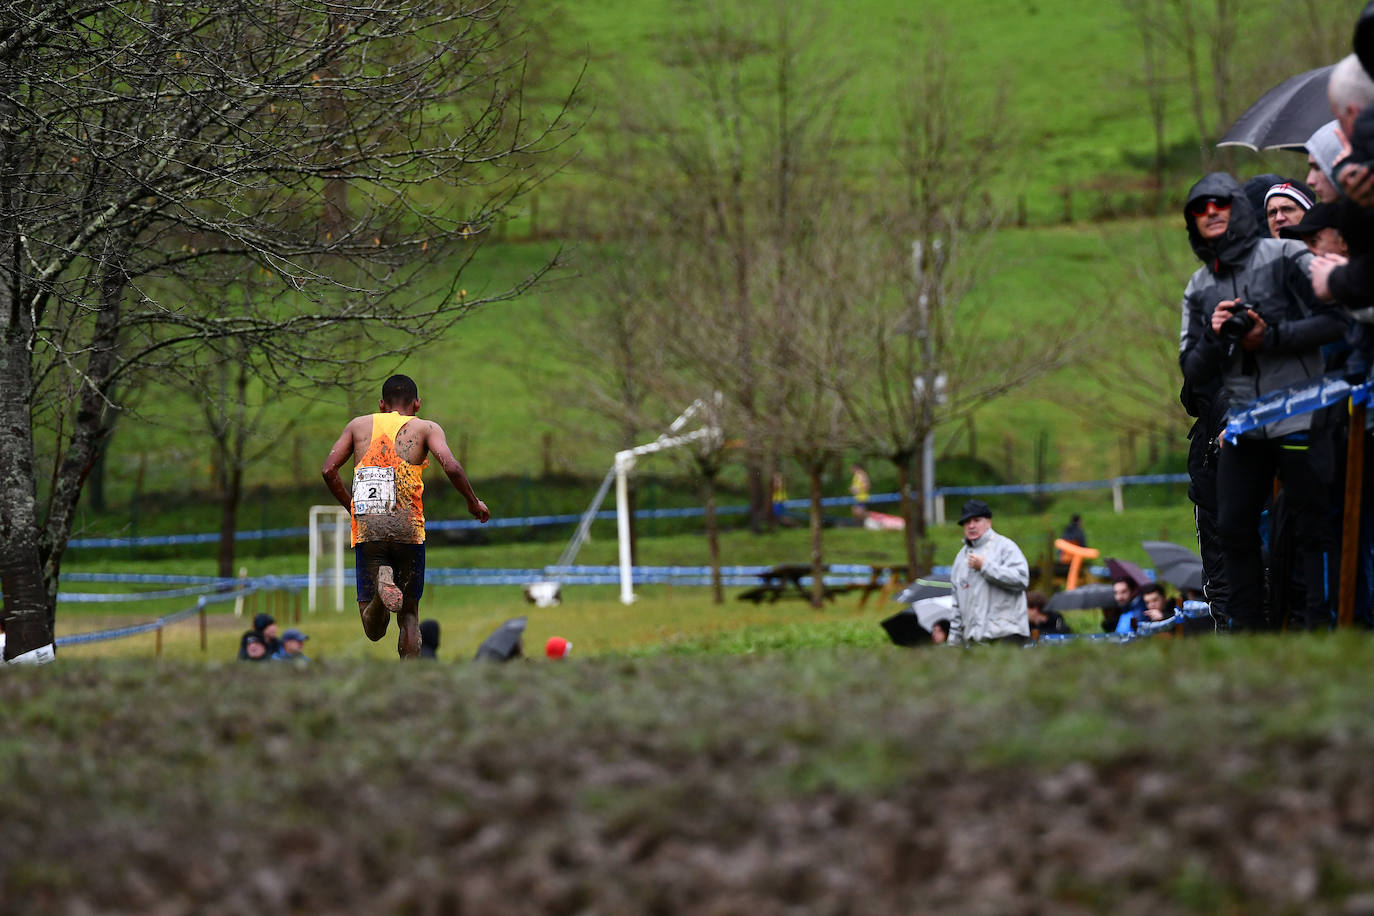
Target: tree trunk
713,537
21,568
913,511
91,429
817,558
229,520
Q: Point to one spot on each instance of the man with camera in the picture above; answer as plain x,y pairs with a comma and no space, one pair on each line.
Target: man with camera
1252,323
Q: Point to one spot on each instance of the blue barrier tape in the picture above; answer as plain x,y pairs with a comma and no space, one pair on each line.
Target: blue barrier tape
537,521
1191,610
1292,401
116,597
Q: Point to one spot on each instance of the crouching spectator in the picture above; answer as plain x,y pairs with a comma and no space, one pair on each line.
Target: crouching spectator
292,647
1157,605
429,639
252,648
1043,622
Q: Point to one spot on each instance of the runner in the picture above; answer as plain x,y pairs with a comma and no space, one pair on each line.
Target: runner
390,449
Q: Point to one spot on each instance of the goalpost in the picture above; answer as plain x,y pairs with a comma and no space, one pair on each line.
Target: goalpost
620,473
624,464
320,531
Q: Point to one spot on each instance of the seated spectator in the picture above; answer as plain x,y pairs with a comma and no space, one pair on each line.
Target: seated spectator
252,648
1129,607
429,639
1157,606
939,632
292,647
1042,621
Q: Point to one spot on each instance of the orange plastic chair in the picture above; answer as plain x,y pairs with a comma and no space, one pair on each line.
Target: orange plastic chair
1076,557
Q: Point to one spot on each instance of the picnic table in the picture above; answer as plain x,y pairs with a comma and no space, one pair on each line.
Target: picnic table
886,579
785,581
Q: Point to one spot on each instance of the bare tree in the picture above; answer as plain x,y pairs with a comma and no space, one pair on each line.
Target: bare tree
932,353
146,143
1139,379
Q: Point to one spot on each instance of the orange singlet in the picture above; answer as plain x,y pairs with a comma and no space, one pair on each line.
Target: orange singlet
388,491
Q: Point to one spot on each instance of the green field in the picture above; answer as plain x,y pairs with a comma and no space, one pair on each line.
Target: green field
502,381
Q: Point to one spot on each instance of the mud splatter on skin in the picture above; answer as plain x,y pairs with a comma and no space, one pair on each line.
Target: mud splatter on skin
405,523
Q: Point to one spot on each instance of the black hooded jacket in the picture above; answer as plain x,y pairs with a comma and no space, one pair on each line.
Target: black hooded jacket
1270,275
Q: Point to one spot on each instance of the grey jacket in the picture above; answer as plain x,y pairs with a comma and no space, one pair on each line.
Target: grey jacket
989,602
1271,276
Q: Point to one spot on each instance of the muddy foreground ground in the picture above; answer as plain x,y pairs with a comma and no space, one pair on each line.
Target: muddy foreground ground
1212,776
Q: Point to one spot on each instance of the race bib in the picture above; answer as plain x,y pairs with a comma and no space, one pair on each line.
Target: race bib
374,491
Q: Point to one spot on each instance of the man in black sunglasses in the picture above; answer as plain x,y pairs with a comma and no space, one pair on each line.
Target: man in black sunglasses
1251,325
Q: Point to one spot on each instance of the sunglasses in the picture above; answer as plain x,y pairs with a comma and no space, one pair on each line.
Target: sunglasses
1199,206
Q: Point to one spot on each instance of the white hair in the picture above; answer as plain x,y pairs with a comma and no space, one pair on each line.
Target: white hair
1349,84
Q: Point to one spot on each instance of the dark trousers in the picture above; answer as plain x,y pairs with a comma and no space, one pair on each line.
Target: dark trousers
1214,585
1245,479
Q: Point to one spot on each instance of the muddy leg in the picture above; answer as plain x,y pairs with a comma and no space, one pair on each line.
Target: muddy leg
408,640
375,618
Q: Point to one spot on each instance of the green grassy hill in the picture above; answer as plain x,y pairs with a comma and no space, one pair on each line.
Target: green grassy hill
502,384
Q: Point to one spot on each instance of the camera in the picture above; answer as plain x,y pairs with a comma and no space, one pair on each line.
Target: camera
1239,324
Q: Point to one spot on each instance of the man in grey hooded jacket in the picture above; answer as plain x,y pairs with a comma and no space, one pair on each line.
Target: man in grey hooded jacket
1279,344
989,575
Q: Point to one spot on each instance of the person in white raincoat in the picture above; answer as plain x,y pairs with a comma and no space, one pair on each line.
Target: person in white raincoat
990,576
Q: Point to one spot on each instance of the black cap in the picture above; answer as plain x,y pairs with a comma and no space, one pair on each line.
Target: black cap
1321,216
974,508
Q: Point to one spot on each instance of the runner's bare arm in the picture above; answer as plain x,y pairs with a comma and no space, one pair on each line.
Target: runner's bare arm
438,446
340,453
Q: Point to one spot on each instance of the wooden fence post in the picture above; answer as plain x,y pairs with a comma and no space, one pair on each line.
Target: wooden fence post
1350,518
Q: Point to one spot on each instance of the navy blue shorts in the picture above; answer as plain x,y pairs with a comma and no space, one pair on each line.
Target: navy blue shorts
407,561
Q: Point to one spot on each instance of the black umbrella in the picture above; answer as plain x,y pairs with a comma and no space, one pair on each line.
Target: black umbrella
1181,566
1285,116
504,642
1087,596
904,628
921,589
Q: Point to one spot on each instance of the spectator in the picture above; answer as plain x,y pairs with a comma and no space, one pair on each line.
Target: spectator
1284,205
1251,322
939,632
859,488
292,647
265,625
429,639
780,516
265,629
1156,603
252,648
1255,188
1041,621
1324,147
989,578
1350,91
1073,531
1318,230
1129,608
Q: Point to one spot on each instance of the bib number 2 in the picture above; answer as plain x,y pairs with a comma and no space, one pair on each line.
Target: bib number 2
374,491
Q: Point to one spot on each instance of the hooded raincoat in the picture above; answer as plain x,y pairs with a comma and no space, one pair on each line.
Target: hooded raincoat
1269,275
989,603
